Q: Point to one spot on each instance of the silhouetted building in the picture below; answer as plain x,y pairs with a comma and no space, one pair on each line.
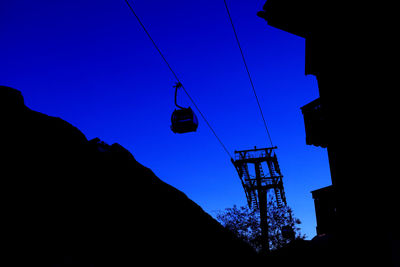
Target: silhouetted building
349,47
324,198
315,124
325,210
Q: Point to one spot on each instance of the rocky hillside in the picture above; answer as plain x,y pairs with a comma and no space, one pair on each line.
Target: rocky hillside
69,201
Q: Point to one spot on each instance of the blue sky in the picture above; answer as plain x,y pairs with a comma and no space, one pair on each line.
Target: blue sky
90,63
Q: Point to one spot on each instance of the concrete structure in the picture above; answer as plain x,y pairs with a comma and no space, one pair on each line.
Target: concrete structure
349,47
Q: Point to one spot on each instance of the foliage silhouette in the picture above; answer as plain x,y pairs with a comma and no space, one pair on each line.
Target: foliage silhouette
245,224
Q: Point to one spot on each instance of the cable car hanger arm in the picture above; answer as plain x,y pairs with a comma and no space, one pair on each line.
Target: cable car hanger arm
177,86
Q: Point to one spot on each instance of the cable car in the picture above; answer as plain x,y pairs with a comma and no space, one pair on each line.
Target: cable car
183,120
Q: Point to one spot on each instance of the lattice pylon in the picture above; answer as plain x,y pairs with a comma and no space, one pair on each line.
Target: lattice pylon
256,186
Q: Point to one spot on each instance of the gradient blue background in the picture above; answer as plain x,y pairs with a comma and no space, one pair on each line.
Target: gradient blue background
90,63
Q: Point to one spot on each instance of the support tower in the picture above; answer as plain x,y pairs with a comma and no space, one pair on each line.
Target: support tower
258,179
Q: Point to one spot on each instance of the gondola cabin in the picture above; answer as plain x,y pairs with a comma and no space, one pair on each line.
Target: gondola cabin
184,120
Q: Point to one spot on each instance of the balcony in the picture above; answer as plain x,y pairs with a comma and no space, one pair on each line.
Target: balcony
315,124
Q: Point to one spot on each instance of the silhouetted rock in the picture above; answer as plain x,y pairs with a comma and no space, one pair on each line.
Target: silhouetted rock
68,201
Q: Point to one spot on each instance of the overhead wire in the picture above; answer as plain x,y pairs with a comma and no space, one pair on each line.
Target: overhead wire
248,73
177,79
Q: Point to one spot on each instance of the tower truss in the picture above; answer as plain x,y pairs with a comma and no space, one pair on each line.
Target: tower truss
259,173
